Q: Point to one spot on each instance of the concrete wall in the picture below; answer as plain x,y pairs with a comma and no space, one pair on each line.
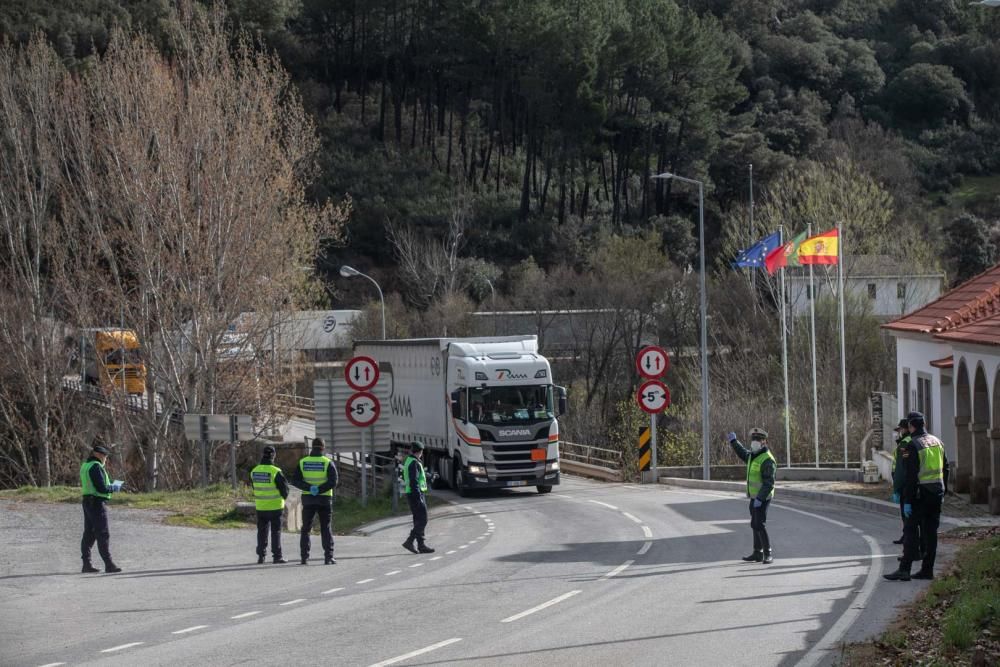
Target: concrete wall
738,473
919,292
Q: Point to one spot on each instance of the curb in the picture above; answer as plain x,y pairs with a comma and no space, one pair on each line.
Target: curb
825,497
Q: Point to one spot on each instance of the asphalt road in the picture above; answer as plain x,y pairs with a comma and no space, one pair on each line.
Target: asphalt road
592,574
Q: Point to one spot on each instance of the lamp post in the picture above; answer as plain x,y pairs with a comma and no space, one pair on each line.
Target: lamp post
350,272
493,302
706,473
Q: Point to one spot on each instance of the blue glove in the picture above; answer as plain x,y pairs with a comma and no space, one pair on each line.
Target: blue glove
314,490
117,485
757,503
731,436
895,497
907,510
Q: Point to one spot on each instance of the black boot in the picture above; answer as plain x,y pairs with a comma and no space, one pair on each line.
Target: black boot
755,557
767,558
923,575
424,549
278,560
111,568
898,575
88,568
260,560
408,545
330,560
305,561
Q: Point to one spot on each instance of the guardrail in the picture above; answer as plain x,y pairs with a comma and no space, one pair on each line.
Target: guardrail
590,461
300,406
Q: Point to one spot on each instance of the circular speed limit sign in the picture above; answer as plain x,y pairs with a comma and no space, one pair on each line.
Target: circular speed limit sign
363,409
653,397
652,362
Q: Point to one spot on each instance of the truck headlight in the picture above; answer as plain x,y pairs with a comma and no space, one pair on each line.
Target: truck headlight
552,467
477,470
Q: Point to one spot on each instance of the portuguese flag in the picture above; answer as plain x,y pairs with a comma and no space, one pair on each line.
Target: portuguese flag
820,249
784,255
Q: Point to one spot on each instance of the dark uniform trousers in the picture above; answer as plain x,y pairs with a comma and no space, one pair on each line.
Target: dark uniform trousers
418,507
325,513
269,519
920,530
758,523
95,529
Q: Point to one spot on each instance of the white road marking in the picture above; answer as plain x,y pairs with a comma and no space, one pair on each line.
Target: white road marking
631,517
417,565
646,531
821,649
544,605
392,574
414,654
364,581
464,546
448,553
618,570
645,547
598,502
121,647
332,590
290,602
436,558
54,664
246,615
856,531
187,630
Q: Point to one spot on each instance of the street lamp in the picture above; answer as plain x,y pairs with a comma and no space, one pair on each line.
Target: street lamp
493,301
706,473
350,272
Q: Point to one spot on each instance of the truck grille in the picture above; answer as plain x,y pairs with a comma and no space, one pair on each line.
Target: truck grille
512,461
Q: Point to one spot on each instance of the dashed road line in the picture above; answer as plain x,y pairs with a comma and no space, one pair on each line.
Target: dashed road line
417,565
645,547
244,615
437,558
291,602
121,647
618,570
187,630
544,605
364,581
464,546
54,664
420,651
646,531
392,574
448,553
609,506
631,517
332,590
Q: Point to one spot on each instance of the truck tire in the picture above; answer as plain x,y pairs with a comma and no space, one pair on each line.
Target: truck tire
456,479
438,482
544,488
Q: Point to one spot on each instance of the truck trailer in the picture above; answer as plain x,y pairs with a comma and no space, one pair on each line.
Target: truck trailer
485,409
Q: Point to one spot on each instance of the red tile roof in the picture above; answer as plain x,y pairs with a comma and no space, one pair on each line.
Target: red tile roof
944,362
974,301
983,332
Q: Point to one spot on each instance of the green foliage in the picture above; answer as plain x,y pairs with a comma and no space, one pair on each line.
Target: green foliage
925,95
969,247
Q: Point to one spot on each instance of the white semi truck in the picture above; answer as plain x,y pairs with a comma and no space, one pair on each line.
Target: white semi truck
485,409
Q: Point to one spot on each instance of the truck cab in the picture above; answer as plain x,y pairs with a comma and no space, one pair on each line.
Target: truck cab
505,413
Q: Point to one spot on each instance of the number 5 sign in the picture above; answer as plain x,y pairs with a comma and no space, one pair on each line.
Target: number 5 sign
653,397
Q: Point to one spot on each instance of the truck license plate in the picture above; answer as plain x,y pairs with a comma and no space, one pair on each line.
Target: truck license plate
517,483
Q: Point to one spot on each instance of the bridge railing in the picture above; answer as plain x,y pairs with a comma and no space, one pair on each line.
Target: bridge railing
590,461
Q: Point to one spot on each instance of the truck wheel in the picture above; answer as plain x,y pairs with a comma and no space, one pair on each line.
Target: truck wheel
544,488
456,479
439,482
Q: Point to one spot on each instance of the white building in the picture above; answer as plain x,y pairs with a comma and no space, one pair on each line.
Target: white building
948,367
892,289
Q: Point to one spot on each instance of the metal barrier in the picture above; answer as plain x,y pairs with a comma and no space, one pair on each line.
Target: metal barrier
590,461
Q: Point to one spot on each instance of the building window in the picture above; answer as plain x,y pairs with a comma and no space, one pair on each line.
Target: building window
872,292
906,390
900,290
924,398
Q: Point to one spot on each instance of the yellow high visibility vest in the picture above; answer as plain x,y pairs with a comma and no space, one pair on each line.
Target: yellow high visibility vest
265,490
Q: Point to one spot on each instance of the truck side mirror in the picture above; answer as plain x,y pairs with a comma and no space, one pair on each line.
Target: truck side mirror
456,406
562,400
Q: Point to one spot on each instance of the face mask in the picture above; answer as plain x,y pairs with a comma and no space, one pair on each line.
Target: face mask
755,445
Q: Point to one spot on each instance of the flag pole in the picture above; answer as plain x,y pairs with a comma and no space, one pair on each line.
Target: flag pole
843,341
812,319
784,355
753,274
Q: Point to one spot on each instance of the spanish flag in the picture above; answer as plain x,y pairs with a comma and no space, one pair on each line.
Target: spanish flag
820,249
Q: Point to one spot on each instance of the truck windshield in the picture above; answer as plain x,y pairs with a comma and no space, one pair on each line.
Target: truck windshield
114,357
505,405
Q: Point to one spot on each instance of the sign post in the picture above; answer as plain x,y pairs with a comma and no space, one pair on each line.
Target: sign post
653,397
363,409
224,428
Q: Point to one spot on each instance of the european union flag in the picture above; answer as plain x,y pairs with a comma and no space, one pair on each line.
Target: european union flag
753,257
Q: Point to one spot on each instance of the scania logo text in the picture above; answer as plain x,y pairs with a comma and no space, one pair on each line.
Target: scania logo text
513,432
507,374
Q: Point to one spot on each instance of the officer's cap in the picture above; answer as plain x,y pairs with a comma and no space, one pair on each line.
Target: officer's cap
757,433
318,444
101,449
903,423
416,446
269,452
915,418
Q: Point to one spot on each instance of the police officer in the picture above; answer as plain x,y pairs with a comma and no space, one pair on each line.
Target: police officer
760,489
415,486
97,488
269,492
902,439
925,482
316,475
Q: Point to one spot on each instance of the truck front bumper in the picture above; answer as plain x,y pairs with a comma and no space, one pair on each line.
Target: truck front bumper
481,482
